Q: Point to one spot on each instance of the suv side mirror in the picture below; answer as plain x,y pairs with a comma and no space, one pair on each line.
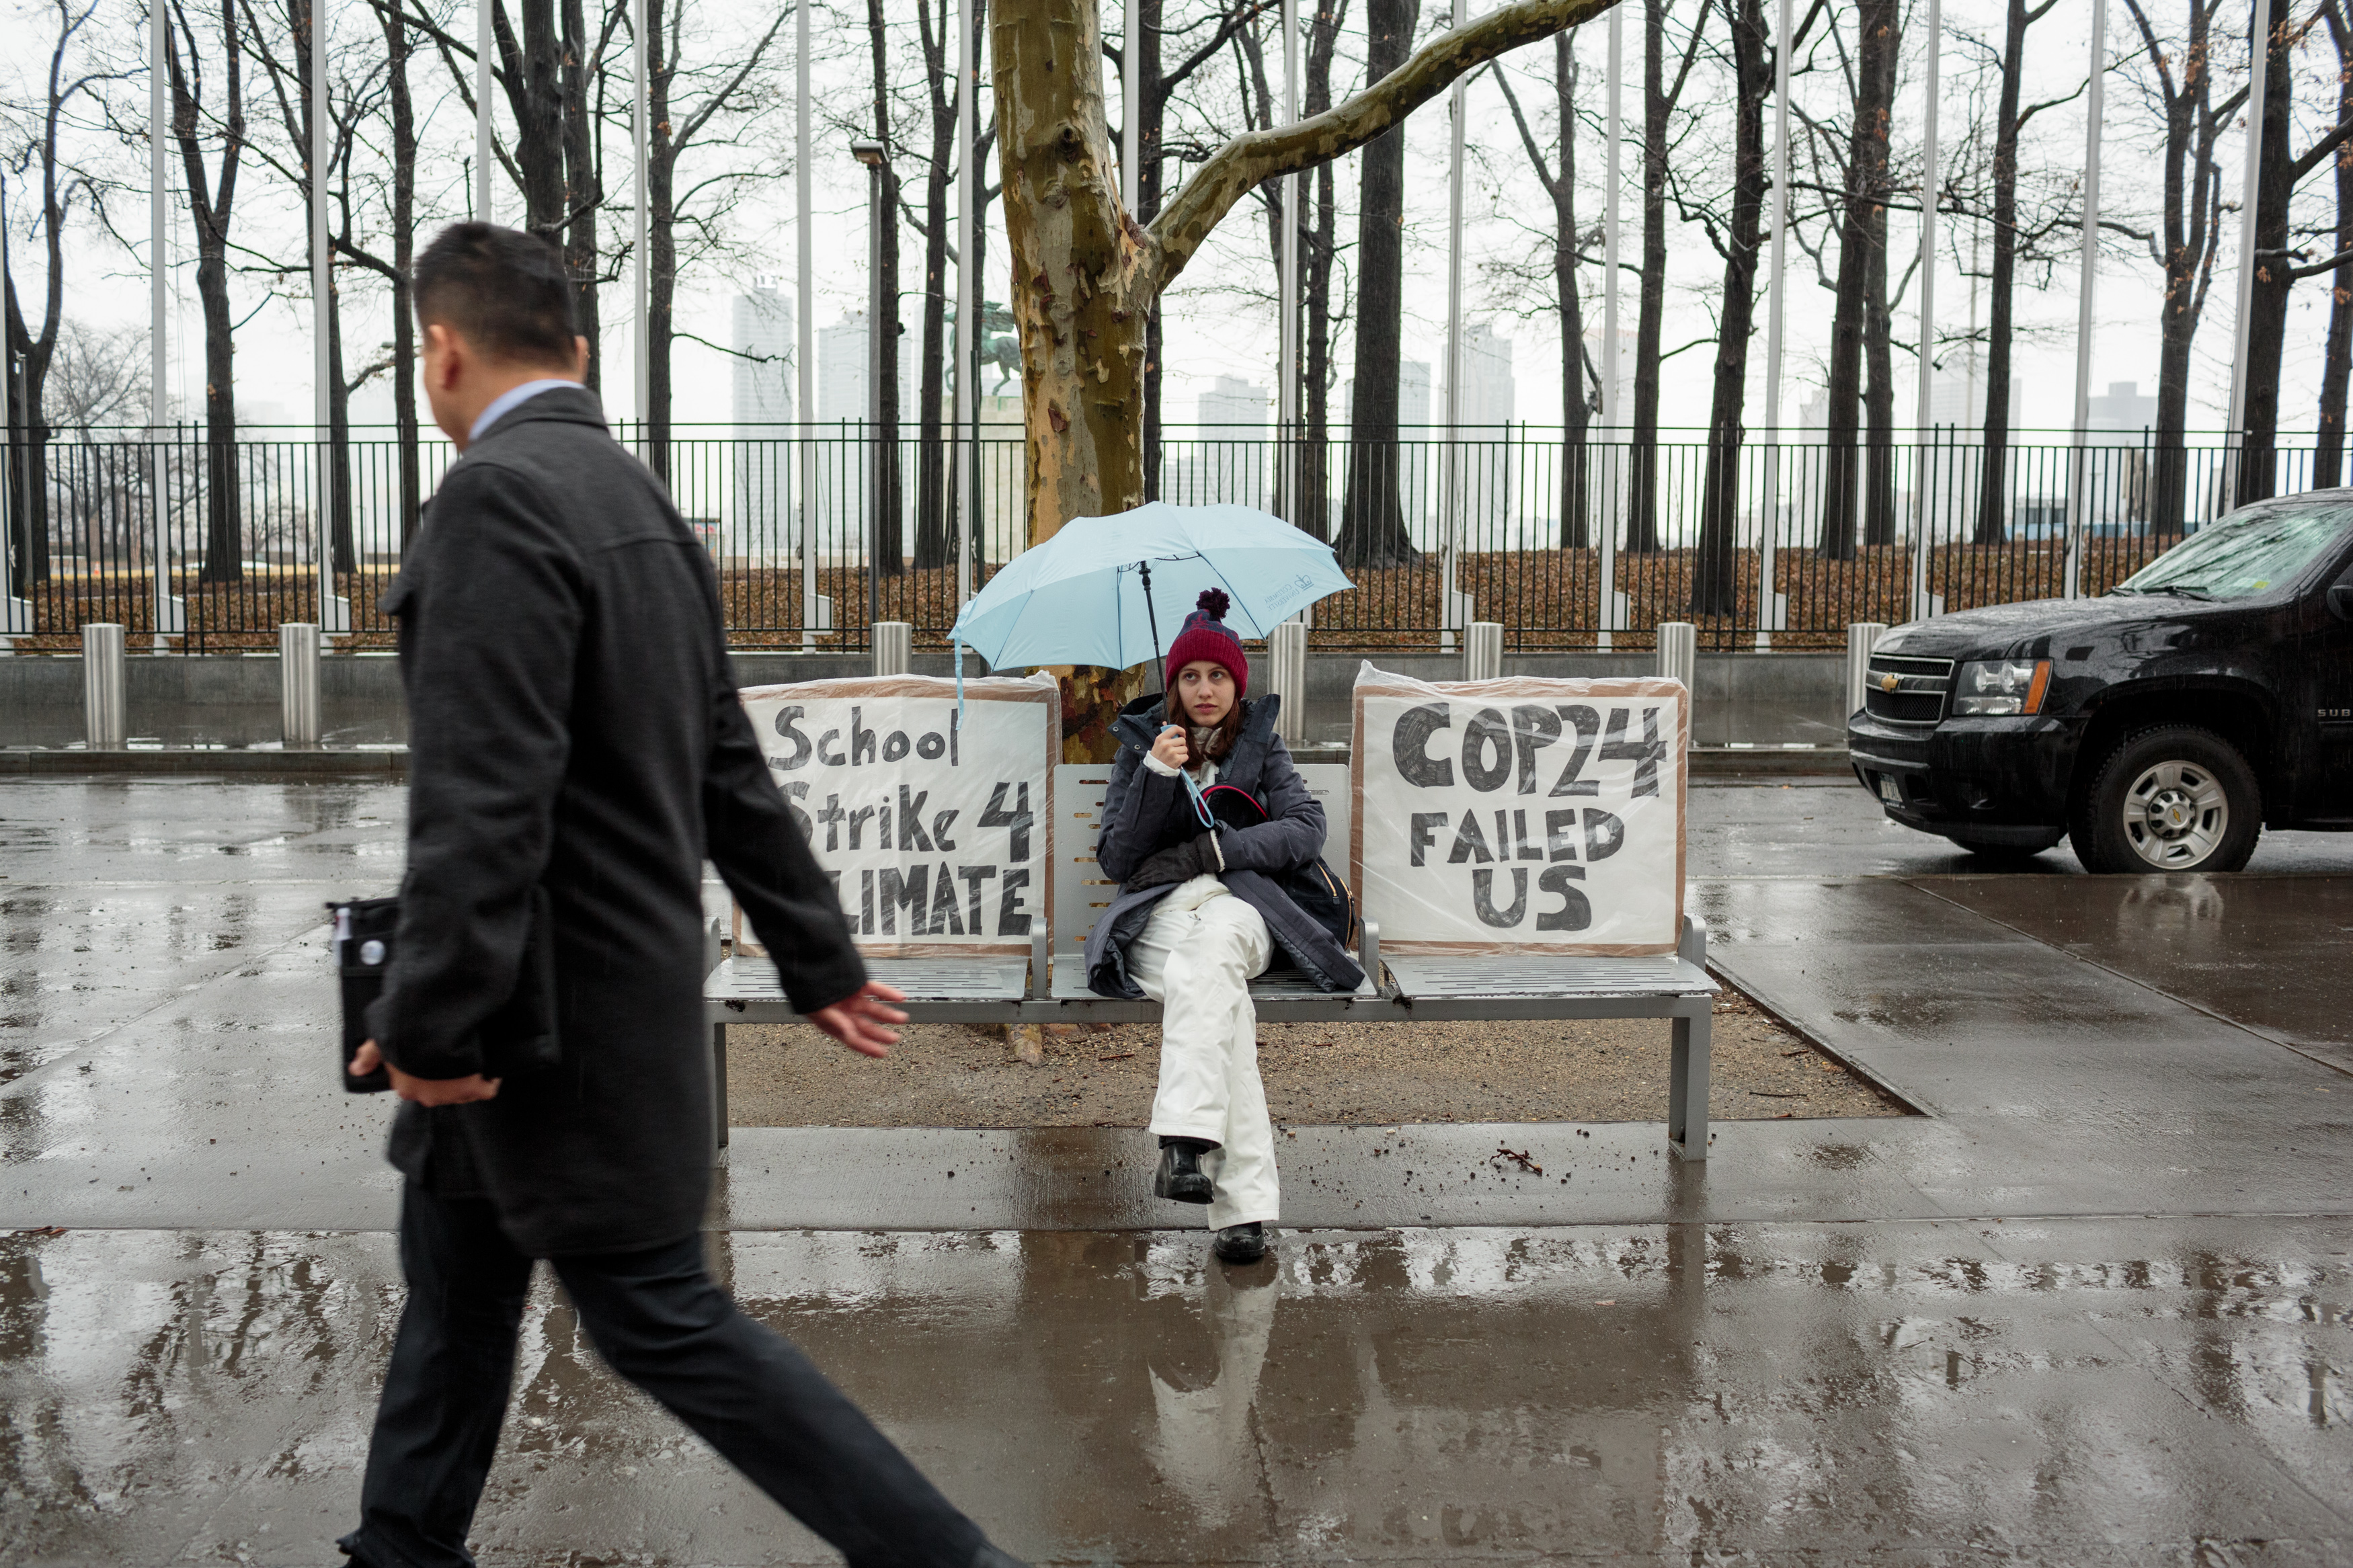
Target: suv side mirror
2340,601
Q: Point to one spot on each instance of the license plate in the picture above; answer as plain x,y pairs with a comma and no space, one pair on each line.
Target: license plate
1889,790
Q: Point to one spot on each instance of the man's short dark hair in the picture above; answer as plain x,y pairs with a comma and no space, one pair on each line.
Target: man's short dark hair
504,292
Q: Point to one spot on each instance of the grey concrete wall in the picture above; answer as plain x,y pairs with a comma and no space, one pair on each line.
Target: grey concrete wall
1764,699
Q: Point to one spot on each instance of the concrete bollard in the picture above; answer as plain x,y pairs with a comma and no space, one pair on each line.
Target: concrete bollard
1482,651
298,684
105,709
1286,659
1861,636
1678,651
895,646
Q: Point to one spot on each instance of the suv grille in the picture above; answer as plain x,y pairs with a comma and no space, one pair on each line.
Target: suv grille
1920,688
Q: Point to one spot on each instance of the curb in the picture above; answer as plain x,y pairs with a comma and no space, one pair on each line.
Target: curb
390,764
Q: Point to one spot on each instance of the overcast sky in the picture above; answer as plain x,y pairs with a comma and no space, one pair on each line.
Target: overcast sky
1214,328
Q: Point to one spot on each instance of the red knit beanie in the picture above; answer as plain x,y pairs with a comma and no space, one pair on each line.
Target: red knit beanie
1204,637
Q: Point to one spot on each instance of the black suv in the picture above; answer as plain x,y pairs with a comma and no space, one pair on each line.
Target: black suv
2158,727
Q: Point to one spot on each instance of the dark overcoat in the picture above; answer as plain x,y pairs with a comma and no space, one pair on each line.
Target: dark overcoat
1145,811
573,723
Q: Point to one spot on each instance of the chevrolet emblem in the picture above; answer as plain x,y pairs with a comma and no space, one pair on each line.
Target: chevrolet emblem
1889,682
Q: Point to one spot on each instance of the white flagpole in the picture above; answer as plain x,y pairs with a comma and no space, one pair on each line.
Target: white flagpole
483,158
969,271
334,614
641,336
1450,479
1610,412
2078,503
804,322
1769,604
2260,36
1923,448
1131,149
170,612
1287,448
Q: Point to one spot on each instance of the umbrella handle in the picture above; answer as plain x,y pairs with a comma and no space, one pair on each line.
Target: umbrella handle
1153,615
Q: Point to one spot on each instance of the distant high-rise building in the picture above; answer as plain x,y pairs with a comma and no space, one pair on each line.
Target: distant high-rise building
1223,458
1490,396
842,382
1485,411
763,368
841,362
1957,398
2123,409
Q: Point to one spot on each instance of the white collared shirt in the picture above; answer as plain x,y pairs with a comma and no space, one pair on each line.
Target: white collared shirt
511,398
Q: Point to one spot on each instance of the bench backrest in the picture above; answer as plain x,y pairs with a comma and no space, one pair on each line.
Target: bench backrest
1081,892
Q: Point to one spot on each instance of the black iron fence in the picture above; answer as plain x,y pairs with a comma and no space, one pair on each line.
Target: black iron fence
1569,546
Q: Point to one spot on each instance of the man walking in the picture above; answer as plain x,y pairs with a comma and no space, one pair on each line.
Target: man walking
573,728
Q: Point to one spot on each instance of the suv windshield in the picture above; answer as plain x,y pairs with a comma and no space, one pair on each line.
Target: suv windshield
2239,557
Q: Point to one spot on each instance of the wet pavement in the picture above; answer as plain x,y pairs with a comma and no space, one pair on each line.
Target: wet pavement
2091,1307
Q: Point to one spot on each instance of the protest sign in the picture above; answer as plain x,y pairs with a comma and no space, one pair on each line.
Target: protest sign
1520,816
934,819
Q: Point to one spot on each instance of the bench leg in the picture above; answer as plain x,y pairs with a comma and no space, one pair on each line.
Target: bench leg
719,1079
1687,1089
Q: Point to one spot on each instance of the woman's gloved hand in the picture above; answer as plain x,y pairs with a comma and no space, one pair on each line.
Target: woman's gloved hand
1181,863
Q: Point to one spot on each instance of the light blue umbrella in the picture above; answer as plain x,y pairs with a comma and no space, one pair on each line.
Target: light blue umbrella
1099,590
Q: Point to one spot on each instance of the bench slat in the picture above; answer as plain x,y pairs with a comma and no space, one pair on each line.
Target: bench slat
1431,978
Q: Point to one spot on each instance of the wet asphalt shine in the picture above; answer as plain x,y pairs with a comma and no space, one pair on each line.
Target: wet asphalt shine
2089,1307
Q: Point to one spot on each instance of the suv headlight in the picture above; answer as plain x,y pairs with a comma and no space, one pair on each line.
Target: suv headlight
1995,686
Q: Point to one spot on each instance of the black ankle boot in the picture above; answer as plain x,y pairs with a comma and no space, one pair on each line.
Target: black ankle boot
1181,1177
1240,1243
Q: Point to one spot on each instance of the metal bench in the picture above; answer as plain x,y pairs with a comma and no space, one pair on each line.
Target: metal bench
1051,986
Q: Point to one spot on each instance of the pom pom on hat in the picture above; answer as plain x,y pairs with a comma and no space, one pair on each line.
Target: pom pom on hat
1204,637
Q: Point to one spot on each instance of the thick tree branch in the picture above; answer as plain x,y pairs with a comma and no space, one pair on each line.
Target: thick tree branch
1259,155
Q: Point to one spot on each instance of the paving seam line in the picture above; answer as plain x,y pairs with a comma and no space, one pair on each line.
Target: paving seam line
2268,1037
82,1047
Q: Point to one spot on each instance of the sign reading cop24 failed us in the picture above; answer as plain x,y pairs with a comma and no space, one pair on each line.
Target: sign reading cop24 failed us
1521,814
930,815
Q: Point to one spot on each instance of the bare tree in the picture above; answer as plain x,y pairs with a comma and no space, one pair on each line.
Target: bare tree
32,353
1372,520
1715,589
2178,80
1862,276
2336,359
2278,263
677,121
1658,102
211,200
1556,171
97,378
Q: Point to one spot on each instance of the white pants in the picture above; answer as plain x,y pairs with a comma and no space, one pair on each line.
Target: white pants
1196,956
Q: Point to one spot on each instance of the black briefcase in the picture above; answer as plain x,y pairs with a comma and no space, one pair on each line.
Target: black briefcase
519,1038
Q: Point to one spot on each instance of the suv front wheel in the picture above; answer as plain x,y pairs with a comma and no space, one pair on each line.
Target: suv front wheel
2169,799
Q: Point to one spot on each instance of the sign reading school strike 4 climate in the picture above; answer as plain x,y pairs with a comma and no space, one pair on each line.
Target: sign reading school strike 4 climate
934,821
1522,814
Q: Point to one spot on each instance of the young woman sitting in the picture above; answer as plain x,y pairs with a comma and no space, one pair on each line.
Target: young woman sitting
1201,912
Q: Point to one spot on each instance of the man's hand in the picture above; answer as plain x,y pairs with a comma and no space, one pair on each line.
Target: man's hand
863,1022
425,1090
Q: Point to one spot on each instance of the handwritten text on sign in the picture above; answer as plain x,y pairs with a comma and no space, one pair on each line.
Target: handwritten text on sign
1523,813
932,824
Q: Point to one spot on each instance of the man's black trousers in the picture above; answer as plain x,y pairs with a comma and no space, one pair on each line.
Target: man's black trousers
658,1319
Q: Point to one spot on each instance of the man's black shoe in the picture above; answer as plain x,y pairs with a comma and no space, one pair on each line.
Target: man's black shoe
1240,1243
1181,1177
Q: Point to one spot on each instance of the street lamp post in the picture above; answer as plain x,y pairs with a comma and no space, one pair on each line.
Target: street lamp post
876,157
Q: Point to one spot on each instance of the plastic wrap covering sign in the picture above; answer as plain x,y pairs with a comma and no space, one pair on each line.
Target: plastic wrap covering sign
936,829
1522,814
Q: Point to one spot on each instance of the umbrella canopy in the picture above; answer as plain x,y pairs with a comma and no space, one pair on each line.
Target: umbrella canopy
1079,598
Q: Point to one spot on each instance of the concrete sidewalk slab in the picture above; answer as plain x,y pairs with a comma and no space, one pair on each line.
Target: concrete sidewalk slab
2077,1391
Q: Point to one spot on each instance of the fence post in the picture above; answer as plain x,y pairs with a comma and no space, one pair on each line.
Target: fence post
298,684
1678,651
1286,657
1482,651
104,707
894,645
1861,636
